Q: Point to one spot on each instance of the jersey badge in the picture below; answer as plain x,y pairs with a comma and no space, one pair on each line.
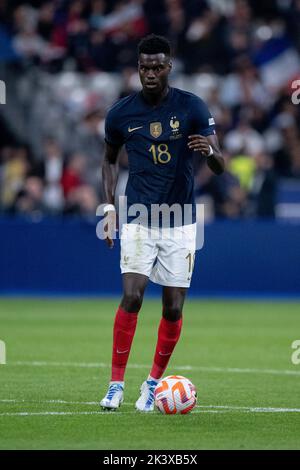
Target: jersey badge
175,126
155,129
174,123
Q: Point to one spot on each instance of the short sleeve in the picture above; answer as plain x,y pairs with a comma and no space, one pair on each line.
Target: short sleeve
113,134
202,121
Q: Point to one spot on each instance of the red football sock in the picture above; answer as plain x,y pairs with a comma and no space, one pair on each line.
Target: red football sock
124,329
168,336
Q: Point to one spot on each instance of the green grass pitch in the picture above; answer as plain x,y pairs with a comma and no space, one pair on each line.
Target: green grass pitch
238,354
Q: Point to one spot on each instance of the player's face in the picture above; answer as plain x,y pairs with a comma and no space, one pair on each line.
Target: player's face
154,70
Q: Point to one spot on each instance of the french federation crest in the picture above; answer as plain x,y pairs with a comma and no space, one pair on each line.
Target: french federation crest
155,129
174,123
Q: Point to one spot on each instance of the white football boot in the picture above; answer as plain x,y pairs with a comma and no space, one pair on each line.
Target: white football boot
146,401
114,397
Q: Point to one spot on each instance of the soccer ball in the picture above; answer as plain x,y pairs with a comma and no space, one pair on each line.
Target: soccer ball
175,395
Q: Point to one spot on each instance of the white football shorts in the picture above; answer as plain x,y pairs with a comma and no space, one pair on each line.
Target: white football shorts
165,255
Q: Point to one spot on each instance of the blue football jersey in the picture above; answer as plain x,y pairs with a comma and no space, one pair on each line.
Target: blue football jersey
156,138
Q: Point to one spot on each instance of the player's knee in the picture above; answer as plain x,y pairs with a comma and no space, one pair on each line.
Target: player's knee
132,302
172,312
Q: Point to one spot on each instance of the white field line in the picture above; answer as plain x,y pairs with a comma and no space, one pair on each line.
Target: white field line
55,402
199,408
120,413
76,413
59,413
144,366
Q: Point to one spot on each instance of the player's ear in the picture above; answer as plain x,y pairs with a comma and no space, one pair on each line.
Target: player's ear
170,65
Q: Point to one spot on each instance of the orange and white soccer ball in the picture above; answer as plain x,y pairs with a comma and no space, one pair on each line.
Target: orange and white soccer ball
175,395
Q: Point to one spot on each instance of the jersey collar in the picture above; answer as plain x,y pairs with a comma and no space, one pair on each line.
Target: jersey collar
162,103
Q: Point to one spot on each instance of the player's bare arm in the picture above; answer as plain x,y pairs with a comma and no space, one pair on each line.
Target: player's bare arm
208,146
109,180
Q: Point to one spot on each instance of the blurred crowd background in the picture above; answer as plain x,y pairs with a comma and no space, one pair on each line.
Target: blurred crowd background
65,62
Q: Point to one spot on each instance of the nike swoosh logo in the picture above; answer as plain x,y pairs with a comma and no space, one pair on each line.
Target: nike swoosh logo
134,128
164,354
122,352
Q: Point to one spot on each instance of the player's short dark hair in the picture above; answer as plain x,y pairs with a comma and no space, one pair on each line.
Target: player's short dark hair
154,44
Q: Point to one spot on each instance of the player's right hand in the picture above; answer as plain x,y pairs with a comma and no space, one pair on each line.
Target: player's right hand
110,228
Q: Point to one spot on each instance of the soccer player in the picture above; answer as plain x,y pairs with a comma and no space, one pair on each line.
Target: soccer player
161,128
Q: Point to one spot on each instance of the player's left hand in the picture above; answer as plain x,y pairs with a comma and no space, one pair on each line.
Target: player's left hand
199,142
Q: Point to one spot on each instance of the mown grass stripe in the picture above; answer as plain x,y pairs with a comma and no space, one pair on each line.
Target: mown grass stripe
146,366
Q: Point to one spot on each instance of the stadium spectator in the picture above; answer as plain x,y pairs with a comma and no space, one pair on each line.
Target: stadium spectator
29,200
50,170
13,170
72,177
88,141
262,192
228,198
